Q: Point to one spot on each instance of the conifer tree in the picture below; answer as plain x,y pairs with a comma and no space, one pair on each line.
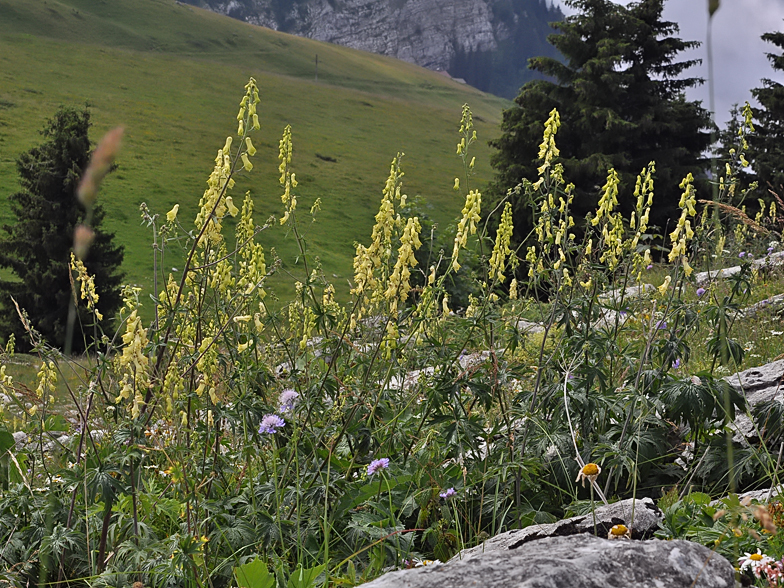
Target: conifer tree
36,248
767,144
621,102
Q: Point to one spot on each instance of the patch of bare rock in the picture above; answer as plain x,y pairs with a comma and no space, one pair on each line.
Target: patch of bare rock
567,554
577,561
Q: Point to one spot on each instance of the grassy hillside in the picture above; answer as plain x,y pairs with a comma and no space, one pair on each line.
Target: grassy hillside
173,75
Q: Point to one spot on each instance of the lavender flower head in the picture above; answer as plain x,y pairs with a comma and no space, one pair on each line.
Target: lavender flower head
448,493
676,364
377,464
742,254
700,292
661,325
287,400
270,424
649,266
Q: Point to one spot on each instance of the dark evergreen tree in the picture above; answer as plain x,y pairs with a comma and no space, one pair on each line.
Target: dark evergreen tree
766,151
37,247
621,101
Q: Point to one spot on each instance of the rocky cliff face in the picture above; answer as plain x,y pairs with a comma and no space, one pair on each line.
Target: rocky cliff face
487,42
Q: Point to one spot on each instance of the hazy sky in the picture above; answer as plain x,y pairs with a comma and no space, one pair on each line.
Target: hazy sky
738,52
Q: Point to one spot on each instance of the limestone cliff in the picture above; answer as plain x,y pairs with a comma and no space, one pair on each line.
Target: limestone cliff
486,42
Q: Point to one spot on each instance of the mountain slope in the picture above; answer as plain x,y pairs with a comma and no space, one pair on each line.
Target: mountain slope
173,75
486,42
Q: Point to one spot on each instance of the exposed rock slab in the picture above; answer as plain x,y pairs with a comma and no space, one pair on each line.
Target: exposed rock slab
758,384
529,327
626,293
776,301
768,262
582,561
641,516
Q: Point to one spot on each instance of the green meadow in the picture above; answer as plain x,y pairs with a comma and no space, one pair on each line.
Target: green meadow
169,73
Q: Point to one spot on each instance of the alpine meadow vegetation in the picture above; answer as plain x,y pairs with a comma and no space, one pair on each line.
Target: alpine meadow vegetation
247,438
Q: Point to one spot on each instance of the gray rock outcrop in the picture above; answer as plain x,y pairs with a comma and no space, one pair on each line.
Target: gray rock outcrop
487,42
581,561
642,516
758,384
774,260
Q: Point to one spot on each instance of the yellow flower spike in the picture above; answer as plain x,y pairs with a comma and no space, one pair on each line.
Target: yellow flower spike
172,214
250,147
501,250
467,225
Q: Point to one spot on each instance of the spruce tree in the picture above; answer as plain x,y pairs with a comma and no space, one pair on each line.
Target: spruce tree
37,247
766,151
621,101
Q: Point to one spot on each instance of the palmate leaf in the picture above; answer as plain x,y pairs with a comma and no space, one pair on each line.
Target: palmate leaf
700,400
254,575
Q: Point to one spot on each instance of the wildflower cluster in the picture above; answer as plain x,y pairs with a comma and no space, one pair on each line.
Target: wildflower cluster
87,286
683,232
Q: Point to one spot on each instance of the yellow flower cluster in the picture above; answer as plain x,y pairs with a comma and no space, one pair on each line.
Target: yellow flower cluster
47,380
133,361
467,226
399,285
287,179
683,232
643,190
501,249
212,205
252,266
87,286
247,113
215,202
468,135
612,228
372,258
547,149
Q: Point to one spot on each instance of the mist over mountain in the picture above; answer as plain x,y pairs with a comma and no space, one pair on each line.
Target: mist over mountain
485,42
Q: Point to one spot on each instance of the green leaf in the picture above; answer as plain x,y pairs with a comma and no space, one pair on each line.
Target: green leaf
6,442
254,575
56,422
305,578
699,498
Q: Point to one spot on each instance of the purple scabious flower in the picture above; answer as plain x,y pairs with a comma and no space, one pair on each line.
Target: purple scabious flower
448,493
270,424
676,364
661,325
287,400
742,254
700,292
649,266
377,464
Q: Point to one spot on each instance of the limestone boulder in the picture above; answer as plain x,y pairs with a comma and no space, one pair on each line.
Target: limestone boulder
580,561
641,516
